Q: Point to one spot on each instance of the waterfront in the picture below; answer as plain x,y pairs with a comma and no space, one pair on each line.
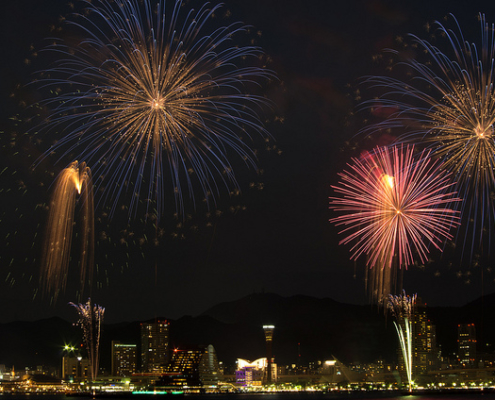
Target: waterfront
353,395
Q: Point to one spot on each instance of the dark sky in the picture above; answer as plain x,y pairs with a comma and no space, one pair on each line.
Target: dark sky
275,236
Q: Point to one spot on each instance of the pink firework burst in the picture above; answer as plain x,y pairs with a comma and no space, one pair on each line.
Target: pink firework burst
394,206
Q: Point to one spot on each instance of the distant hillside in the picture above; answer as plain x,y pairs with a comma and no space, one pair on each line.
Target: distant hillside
306,328
481,312
314,328
36,343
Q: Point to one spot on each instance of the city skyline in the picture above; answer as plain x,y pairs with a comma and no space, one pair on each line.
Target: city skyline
445,356
275,235
308,329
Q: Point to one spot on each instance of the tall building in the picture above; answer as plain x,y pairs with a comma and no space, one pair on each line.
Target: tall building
425,352
424,345
466,342
269,340
124,359
154,345
433,349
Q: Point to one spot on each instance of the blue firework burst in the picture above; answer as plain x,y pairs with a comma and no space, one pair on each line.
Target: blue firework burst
445,100
154,94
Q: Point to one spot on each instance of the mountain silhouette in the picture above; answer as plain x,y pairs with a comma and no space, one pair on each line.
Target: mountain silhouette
306,329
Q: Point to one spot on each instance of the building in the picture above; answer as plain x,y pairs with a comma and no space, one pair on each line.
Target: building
154,345
333,371
252,373
466,342
268,329
124,359
193,369
209,369
425,351
75,368
249,376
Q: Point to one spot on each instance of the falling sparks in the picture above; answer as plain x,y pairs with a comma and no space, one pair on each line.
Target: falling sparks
402,308
90,320
73,180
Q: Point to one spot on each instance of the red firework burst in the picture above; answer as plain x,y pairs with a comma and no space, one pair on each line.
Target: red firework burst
394,206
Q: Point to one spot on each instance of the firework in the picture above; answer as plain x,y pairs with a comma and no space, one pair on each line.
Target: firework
90,320
155,95
447,104
73,181
402,308
394,206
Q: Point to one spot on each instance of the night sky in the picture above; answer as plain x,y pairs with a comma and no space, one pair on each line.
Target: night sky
274,236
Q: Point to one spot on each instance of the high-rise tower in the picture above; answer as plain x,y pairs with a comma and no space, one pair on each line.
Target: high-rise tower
425,352
123,359
154,345
269,339
466,341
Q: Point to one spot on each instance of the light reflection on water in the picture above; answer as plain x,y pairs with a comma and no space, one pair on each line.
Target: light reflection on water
274,396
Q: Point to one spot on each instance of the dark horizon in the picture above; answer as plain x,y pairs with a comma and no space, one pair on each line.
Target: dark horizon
320,329
118,317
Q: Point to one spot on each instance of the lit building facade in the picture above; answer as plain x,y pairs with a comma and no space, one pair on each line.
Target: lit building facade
192,368
466,342
209,368
249,376
252,373
154,345
124,359
76,368
423,344
425,350
269,329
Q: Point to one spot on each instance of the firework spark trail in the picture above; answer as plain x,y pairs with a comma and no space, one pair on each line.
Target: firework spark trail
394,204
72,181
449,107
90,320
402,308
146,89
394,207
